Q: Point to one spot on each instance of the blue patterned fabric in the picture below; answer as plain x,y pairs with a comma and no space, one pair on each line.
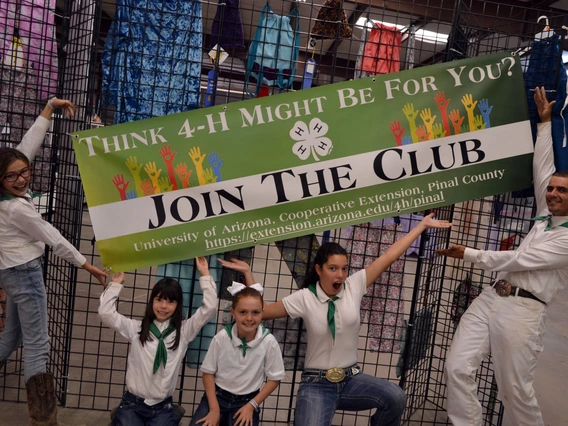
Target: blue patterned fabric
152,58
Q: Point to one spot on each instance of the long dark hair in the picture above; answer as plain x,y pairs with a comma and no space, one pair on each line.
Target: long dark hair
166,288
7,157
247,292
322,255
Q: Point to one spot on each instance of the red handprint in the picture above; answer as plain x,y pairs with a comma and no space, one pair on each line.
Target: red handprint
397,131
168,156
443,103
184,174
422,133
147,186
121,186
457,121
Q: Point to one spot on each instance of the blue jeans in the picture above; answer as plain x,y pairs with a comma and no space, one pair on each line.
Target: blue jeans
318,399
229,404
26,316
133,412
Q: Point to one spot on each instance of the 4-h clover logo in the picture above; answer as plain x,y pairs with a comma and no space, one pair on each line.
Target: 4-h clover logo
311,139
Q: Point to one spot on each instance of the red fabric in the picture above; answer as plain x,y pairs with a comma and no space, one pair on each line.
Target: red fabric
382,50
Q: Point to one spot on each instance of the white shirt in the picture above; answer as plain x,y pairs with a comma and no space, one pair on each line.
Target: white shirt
140,380
540,263
323,353
23,232
242,374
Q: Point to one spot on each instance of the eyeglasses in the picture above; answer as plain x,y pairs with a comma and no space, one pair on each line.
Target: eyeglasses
13,176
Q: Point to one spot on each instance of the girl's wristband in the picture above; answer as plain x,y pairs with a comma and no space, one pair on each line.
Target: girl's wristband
255,405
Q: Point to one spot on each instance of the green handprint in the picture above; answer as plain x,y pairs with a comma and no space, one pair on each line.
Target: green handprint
411,114
209,176
428,119
135,168
469,105
478,122
154,173
197,158
438,131
165,184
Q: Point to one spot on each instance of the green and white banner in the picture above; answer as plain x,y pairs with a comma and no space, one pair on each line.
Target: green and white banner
231,176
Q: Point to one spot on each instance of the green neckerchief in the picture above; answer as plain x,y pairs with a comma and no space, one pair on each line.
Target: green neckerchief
330,310
243,346
8,197
161,352
549,222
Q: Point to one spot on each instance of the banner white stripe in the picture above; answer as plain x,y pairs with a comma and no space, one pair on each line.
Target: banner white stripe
133,216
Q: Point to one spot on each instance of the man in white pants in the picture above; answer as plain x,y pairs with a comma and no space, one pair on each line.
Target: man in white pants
507,319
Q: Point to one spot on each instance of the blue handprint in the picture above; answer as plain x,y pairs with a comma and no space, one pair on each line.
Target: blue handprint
407,140
130,195
485,110
216,164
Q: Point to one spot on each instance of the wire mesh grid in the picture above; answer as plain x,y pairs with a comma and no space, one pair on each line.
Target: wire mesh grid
122,62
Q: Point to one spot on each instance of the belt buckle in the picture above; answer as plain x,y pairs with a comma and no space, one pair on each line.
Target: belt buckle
503,288
335,374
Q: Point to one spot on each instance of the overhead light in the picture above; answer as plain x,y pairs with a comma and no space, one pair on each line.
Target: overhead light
421,35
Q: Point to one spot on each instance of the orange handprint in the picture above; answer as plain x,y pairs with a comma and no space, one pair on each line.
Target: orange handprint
456,120
422,133
147,187
168,157
184,174
443,103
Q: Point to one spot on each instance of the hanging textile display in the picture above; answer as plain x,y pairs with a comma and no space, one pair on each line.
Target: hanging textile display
229,34
382,50
273,52
384,302
464,294
34,21
331,21
152,59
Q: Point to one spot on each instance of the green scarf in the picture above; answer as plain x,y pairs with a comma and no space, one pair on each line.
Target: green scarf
243,346
330,310
161,352
549,222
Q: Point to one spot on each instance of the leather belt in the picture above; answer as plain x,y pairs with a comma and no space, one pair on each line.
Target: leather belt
505,289
335,374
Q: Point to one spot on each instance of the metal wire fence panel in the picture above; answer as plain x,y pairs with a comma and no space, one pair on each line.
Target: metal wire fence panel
124,61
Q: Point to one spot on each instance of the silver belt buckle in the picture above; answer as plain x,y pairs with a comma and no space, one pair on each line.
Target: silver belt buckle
503,288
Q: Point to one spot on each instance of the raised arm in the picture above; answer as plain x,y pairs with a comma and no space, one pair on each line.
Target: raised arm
271,310
32,140
207,311
375,269
108,314
543,160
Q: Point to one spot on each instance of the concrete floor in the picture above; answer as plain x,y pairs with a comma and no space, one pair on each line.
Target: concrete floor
551,382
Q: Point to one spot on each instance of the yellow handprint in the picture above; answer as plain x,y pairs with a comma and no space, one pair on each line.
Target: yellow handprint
428,119
411,115
438,131
478,122
165,185
134,168
154,173
209,176
469,105
197,158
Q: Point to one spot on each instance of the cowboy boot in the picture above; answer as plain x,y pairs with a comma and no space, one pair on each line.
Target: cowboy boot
42,402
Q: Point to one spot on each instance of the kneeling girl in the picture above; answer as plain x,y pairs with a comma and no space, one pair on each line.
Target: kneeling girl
239,359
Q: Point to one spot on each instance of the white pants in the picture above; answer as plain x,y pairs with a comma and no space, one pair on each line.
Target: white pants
511,328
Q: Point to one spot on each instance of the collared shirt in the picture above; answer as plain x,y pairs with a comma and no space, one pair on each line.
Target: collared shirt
323,352
540,263
242,374
23,232
140,380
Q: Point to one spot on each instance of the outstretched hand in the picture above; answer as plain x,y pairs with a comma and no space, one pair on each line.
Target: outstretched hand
430,222
68,106
96,272
455,251
542,105
117,278
236,265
